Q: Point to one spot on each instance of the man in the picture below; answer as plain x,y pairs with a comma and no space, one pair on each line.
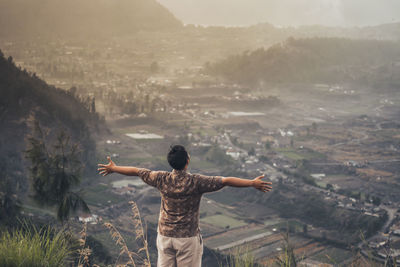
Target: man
179,242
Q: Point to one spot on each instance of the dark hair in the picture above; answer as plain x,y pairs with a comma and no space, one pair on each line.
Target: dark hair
177,157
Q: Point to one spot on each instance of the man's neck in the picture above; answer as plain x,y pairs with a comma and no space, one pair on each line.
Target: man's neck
180,171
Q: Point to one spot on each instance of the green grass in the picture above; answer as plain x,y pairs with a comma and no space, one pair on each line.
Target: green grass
223,221
241,258
32,247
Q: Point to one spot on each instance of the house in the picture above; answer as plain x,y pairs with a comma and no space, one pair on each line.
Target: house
233,153
89,218
396,232
318,176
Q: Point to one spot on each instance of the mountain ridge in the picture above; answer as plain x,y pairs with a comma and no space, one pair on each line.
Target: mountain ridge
83,17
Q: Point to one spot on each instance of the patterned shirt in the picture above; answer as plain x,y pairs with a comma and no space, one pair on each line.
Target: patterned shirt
180,199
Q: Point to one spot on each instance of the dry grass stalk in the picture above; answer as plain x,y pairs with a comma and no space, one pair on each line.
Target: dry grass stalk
120,241
287,258
84,253
140,233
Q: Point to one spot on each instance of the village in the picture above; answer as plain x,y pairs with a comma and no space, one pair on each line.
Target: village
345,154
277,154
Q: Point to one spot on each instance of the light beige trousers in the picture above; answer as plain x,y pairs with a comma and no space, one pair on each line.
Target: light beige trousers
179,252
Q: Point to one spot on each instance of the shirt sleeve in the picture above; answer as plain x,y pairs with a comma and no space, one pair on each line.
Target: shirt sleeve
150,177
208,183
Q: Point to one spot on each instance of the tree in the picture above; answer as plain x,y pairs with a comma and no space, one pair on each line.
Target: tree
54,172
305,229
376,200
93,105
251,152
73,91
329,187
9,201
268,145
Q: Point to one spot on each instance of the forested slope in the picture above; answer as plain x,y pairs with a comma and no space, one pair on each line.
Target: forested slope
25,99
316,60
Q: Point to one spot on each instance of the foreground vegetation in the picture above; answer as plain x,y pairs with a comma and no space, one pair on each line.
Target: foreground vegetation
29,246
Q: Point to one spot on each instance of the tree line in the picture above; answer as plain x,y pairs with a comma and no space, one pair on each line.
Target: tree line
314,60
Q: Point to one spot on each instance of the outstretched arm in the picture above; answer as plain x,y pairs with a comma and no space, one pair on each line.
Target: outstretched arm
256,183
105,169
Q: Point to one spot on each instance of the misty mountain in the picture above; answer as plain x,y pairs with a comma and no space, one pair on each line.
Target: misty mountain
285,12
24,99
83,17
316,60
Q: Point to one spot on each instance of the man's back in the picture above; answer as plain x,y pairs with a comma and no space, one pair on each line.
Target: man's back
179,242
180,199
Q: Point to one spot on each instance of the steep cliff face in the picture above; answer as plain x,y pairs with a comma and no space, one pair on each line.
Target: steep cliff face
83,17
24,98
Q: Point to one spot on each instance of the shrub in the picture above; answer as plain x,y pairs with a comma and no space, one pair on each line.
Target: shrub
31,247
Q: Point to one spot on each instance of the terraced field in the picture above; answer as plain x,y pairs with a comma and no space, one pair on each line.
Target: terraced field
223,221
332,255
237,237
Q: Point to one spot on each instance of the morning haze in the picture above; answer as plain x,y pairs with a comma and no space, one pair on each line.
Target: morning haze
286,13
306,93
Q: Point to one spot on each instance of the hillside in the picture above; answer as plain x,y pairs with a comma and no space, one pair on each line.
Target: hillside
390,31
24,99
316,60
82,18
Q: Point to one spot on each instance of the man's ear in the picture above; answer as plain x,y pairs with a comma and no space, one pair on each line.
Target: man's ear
188,161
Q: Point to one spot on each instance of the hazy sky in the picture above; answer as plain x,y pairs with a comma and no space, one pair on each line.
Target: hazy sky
285,12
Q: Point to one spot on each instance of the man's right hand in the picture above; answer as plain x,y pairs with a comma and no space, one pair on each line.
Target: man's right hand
261,185
106,169
256,183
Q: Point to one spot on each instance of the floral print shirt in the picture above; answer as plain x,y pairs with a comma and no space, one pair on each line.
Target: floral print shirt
180,199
